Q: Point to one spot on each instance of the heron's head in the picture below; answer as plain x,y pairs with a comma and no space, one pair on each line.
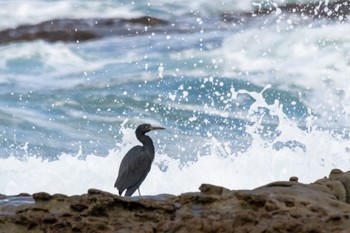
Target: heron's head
144,128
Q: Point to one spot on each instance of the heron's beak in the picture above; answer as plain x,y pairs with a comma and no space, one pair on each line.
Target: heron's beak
156,128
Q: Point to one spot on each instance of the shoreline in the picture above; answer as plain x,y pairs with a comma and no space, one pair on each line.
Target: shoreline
282,206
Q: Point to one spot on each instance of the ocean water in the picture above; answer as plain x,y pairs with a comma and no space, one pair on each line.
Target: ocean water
244,102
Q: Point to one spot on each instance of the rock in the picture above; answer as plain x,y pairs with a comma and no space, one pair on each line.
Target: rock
41,196
73,30
335,173
283,206
332,10
212,189
9,204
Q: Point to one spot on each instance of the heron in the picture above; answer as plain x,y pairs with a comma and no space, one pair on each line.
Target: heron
137,162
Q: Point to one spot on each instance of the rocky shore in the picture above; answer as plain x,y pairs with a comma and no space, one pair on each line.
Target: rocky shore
284,206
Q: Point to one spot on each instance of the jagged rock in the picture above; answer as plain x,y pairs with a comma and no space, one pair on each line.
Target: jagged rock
283,206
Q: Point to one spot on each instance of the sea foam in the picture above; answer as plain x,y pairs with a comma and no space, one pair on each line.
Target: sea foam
315,154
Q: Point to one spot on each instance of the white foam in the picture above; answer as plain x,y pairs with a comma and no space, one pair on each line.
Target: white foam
314,66
16,13
55,65
318,55
259,165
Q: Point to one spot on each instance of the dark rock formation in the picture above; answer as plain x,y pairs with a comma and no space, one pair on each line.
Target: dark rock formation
286,206
73,30
330,10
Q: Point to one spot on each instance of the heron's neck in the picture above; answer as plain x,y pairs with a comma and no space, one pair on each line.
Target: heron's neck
147,144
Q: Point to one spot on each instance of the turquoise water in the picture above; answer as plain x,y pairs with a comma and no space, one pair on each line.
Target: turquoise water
273,86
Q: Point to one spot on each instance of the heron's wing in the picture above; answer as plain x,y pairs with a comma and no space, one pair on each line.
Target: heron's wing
133,168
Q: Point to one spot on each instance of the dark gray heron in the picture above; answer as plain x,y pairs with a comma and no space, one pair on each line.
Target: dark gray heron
136,163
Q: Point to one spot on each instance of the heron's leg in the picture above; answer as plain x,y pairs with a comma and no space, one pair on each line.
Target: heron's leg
139,192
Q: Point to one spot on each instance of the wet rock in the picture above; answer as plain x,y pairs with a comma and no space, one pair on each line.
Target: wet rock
9,204
332,10
79,30
283,206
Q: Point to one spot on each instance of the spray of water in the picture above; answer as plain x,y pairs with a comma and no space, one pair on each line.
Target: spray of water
308,154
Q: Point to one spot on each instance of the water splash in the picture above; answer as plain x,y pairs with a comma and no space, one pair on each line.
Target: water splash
260,164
